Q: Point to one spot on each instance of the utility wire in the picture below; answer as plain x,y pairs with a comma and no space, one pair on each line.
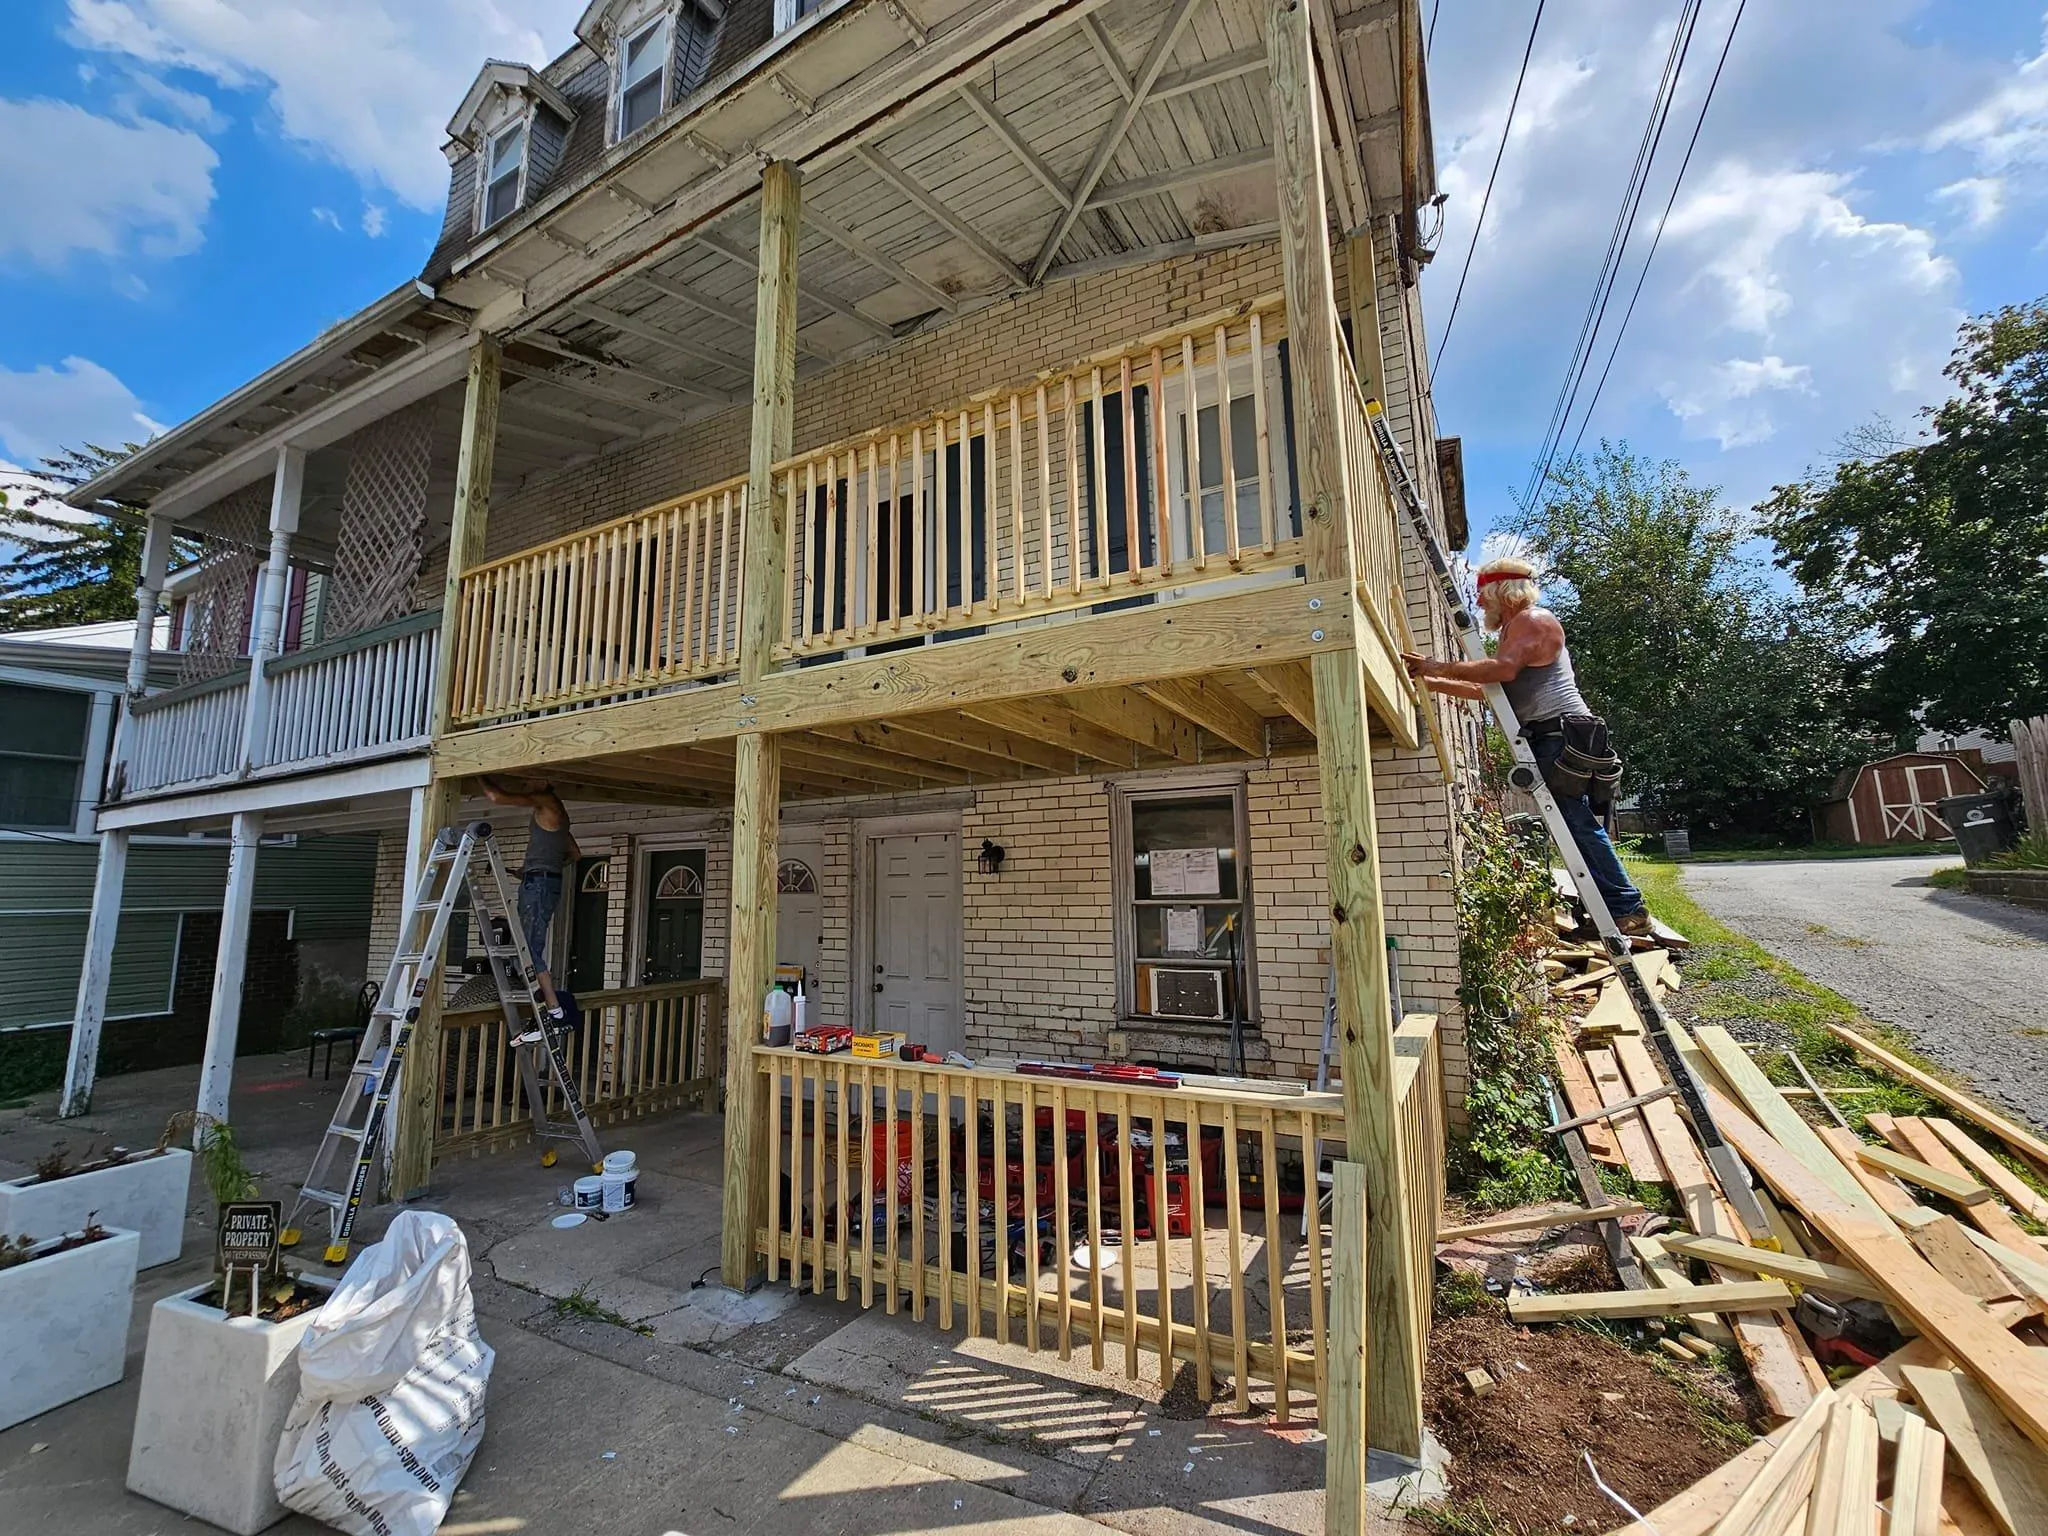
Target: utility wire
1691,144
1617,245
1429,37
1486,198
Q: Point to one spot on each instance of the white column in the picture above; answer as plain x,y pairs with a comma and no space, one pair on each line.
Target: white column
156,559
287,489
420,832
91,1012
224,1020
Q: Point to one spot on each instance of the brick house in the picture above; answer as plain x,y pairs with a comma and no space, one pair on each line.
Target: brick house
901,470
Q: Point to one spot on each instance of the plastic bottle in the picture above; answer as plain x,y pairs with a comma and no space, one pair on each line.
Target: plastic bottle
800,1007
775,1014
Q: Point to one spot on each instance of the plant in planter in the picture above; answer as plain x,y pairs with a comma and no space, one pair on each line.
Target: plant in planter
73,1294
143,1191
217,1384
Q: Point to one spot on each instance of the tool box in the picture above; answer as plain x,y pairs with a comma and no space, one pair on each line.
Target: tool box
883,1043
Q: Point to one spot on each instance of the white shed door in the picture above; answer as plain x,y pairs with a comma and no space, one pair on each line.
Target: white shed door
916,967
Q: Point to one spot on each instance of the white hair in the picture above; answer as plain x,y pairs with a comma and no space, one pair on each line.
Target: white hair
1514,588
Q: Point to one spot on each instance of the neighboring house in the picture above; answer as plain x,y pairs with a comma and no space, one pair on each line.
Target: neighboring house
1990,756
901,470
1894,799
60,692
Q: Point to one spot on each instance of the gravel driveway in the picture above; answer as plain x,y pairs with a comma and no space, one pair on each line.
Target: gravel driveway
1965,976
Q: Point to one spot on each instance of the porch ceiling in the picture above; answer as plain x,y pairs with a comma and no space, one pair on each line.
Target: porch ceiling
1119,132
1224,717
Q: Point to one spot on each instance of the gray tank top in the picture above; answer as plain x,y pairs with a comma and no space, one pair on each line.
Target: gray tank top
1545,692
546,851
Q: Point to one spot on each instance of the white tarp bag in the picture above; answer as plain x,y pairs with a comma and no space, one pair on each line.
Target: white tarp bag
391,1388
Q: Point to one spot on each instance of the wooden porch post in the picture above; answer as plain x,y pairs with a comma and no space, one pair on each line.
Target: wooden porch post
419,1102
230,960
1372,1127
757,769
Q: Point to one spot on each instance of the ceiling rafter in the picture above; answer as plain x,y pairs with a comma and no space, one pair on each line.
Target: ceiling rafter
682,293
712,241
682,346
1181,176
639,372
880,260
1026,156
939,213
1250,61
596,391
1105,50
1334,102
1113,135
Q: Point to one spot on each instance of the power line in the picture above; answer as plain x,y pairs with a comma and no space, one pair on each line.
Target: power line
1429,37
1617,245
1506,128
1670,202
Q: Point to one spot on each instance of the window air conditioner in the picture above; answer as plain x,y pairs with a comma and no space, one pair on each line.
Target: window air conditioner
1186,993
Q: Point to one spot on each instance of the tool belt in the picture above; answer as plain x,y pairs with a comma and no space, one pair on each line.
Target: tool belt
1587,764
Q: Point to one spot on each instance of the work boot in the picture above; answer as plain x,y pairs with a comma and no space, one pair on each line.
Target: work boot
1635,925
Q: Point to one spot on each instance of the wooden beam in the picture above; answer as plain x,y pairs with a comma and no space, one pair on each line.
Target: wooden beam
2020,1140
713,241
1839,1279
1126,712
1109,195
1915,1137
1913,1171
1292,689
1113,135
668,341
590,389
882,262
1025,155
1250,61
890,736
957,732
1105,50
896,759
1536,1221
1358,946
1671,1301
682,293
636,372
959,228
757,769
1346,1429
1056,726
2021,1195
1221,714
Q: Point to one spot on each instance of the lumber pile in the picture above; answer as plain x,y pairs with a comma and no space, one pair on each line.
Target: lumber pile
1906,1262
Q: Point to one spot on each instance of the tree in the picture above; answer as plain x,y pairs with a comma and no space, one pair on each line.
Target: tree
1941,546
69,566
1729,702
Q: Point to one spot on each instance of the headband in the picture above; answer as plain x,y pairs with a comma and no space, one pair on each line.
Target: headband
1488,578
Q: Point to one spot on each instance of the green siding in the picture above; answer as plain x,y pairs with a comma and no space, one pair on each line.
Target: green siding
50,951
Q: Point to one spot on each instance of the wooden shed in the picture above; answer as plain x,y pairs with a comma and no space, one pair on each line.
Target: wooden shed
1894,799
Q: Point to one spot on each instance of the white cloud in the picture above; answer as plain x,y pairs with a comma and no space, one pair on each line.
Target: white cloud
74,181
2007,127
46,410
328,217
1723,401
1981,199
373,221
367,84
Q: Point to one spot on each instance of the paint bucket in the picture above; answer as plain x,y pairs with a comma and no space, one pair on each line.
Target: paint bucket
618,1189
590,1193
620,1162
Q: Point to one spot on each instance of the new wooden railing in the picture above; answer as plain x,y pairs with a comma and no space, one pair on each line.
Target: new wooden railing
362,696
186,735
1419,1091
1375,535
890,1188
637,1050
637,603
1064,492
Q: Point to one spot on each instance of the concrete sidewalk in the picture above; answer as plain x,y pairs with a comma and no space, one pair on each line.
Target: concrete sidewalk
782,1411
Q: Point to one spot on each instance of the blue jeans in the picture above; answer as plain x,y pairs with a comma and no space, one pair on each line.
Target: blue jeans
1616,889
539,895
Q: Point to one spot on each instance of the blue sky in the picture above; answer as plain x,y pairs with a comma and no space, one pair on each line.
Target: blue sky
195,189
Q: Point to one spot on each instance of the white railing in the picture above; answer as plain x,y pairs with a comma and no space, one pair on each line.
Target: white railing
188,735
363,696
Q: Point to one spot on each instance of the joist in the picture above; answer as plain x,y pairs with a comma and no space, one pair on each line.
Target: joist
1913,1171
1056,726
2016,1191
2015,1375
1219,713
1292,689
2011,1475
1669,1301
1837,1279
1636,1150
2022,1141
1536,1221
1128,713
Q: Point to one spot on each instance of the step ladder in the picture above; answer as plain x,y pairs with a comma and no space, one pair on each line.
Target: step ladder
1728,1167
349,1149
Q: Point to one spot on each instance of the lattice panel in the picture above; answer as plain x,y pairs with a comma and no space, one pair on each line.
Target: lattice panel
219,598
383,522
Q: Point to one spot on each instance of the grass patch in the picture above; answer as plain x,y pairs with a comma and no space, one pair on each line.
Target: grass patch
1459,1517
1461,1293
1817,851
1950,877
581,1305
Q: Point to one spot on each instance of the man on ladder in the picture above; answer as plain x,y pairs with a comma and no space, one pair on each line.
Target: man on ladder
550,848
1533,666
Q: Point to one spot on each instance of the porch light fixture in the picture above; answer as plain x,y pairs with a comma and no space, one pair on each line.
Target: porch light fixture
990,860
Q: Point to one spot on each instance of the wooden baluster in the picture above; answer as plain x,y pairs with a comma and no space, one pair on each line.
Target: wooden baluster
1276,1267
991,581
1224,443
1030,1124
1044,496
835,532
1098,488
890,1200
810,560
999,1091
1127,1232
1233,1210
916,606
943,601
1073,442
874,1163
1318,1304
963,499
1265,442
870,513
796,1173
1198,1278
1016,501
1062,1219
603,572
817,1076
945,1152
1162,1288
791,565
442,1040
1191,453
498,1085
1093,1133
515,669
1162,506
971,1087
778,1208
1133,565
839,1145
693,521
916,1082
642,620
893,516
722,645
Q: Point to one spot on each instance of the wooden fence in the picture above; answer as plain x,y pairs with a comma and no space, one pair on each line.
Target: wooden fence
637,1050
2030,745
1058,1214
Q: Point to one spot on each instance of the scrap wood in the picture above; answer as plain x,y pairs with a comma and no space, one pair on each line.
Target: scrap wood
1890,1195
1963,1191
2017,1193
1782,1462
1916,1478
2012,1373
1584,1099
1672,1301
2010,1474
2022,1141
1593,1193
1636,1151
1530,1221
1634,1101
1944,1244
2026,1268
1586,978
1667,1272
1839,1279
1845,1489
1987,1215
1780,1120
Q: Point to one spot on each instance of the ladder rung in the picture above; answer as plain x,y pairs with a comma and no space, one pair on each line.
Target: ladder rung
322,1196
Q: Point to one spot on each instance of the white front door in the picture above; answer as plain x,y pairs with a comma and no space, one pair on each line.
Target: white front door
915,970
800,912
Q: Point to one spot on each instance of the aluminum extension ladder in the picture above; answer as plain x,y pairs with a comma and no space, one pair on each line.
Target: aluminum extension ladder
1728,1167
349,1149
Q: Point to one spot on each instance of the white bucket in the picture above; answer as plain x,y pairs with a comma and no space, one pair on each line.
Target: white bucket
589,1193
618,1189
620,1162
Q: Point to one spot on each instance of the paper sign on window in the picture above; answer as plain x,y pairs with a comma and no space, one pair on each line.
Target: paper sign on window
1183,930
1186,872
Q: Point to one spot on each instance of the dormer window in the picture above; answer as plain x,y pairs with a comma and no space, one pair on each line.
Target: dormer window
505,174
643,77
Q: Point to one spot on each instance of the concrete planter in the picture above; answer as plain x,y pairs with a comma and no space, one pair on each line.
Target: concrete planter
145,1195
215,1392
74,1307
2026,887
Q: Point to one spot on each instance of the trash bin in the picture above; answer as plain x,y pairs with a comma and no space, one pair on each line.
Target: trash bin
1981,823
